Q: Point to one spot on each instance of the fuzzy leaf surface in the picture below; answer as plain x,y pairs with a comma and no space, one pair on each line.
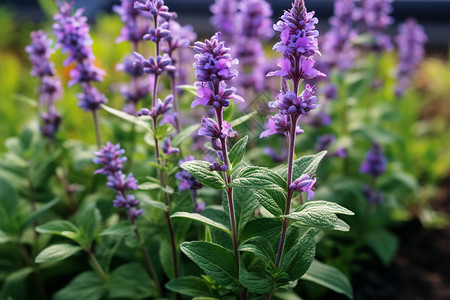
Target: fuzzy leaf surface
202,219
200,170
236,153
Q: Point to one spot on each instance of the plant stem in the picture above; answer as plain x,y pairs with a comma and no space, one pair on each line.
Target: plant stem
33,206
97,266
147,257
175,101
291,139
97,128
30,263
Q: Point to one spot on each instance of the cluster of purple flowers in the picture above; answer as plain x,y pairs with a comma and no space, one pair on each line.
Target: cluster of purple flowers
410,42
214,66
373,18
374,165
338,41
72,34
136,24
188,182
223,18
49,87
111,158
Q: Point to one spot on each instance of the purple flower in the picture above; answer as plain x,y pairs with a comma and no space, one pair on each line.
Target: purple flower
410,40
375,163
187,181
289,104
304,184
338,42
373,197
111,158
40,51
318,120
216,166
167,148
154,66
91,99
154,7
51,121
281,124
135,25
325,141
289,69
213,63
157,34
207,96
85,73
277,158
223,18
254,19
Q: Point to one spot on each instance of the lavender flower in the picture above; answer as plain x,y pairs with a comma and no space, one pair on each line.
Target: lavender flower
410,41
49,87
374,19
281,124
277,158
304,184
135,24
154,66
72,33
154,7
338,42
207,96
111,158
375,163
188,182
223,19
373,197
167,148
325,141
289,104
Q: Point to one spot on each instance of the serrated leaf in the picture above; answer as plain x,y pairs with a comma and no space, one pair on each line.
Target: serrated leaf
56,253
127,117
184,134
255,282
237,152
164,130
260,247
298,259
383,243
272,200
202,219
214,260
62,228
191,286
123,228
87,285
266,227
200,171
259,178
329,277
244,206
307,164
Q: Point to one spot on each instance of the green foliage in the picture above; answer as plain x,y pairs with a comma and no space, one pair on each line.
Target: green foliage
200,170
202,219
56,253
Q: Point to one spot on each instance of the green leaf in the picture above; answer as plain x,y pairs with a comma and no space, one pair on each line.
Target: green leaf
321,214
153,203
39,212
127,117
200,171
130,281
164,130
237,152
383,243
329,277
15,285
188,88
260,247
87,286
56,253
8,204
259,178
244,206
298,259
62,228
191,286
122,228
214,260
242,119
202,219
88,219
184,134
5,238
272,200
146,186
307,164
255,282
267,227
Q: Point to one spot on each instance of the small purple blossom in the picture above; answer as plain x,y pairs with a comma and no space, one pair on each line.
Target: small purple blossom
373,197
167,148
51,121
325,141
135,25
157,34
91,98
154,7
39,52
281,124
277,158
375,163
206,95
154,66
410,40
216,166
111,158
289,104
223,18
304,184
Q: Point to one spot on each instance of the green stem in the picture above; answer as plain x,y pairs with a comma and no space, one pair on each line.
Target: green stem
97,128
97,266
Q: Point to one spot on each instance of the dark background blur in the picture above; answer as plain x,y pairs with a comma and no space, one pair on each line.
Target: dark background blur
433,14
